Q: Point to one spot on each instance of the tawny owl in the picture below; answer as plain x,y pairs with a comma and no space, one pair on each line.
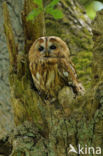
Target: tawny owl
51,67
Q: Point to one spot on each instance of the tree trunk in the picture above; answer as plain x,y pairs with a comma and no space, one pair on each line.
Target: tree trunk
44,128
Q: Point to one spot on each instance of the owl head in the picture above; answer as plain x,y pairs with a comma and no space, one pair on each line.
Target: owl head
49,47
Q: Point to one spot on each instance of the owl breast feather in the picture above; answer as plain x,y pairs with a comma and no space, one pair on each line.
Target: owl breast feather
46,77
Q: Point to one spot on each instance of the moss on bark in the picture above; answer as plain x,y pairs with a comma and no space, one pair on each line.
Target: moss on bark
50,128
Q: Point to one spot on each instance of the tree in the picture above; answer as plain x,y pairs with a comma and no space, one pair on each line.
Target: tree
44,128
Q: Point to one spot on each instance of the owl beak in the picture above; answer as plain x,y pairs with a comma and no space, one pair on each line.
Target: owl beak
47,53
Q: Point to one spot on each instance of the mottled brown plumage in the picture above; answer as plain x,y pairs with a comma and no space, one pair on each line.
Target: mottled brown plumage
51,67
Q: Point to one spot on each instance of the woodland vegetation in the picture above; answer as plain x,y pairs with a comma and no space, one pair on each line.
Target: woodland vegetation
45,129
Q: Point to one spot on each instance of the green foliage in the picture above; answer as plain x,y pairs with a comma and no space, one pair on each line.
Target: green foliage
49,9
34,13
39,3
56,13
92,8
52,4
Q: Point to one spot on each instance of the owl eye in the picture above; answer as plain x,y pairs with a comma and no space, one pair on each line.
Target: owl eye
52,47
41,48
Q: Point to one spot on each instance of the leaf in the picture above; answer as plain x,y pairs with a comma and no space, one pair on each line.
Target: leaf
39,3
56,13
34,13
52,4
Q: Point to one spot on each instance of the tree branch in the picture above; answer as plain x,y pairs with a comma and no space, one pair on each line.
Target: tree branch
12,48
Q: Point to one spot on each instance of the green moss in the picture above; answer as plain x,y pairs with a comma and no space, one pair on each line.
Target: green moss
83,62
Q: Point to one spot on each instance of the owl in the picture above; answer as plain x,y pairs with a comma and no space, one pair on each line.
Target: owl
51,67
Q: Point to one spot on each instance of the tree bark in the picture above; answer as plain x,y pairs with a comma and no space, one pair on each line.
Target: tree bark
44,128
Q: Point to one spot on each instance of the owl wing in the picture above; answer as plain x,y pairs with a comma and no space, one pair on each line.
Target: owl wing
68,72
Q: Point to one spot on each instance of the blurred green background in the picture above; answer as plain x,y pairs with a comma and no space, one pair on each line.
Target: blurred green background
92,7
